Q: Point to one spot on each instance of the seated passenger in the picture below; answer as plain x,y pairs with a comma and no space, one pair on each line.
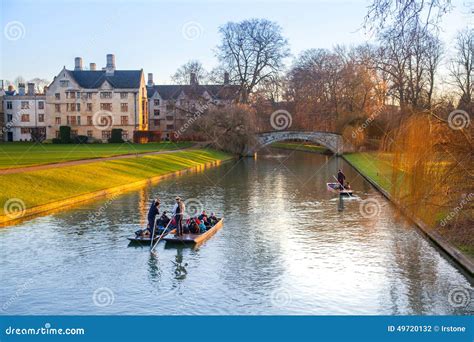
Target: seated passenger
212,219
203,215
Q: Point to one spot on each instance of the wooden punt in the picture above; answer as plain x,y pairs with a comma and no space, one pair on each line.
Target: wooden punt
194,238
335,187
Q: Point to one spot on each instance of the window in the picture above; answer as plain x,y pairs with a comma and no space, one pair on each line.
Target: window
78,95
106,95
25,105
25,130
57,120
25,118
106,106
124,107
78,120
57,96
88,96
89,121
89,107
57,108
58,134
64,83
9,117
156,102
170,118
70,95
73,132
156,112
41,105
89,134
156,123
40,117
169,127
123,95
106,134
124,135
78,107
124,120
9,105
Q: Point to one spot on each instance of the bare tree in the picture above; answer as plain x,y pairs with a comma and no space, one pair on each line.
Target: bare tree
40,83
183,74
462,66
385,13
252,51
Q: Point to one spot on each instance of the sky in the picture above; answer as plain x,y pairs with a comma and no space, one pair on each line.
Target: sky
40,37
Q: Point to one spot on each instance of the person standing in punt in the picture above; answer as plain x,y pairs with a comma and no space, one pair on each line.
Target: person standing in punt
341,177
178,212
152,213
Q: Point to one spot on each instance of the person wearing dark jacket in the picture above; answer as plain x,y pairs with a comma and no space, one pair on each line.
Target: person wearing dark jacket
152,213
341,177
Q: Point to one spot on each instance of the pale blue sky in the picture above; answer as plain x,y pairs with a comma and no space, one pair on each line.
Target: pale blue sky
149,34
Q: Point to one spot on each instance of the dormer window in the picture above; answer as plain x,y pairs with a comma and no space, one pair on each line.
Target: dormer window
64,83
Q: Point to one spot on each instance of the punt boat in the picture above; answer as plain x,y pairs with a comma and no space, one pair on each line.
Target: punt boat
147,240
335,187
194,238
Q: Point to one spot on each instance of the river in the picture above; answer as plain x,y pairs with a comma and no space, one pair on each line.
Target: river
285,248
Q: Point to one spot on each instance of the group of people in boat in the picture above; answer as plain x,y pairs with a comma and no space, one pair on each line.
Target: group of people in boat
193,225
341,178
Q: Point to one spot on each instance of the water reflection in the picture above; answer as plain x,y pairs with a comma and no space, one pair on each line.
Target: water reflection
285,248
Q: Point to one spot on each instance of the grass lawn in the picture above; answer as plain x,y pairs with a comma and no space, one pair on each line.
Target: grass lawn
45,186
27,154
300,146
376,166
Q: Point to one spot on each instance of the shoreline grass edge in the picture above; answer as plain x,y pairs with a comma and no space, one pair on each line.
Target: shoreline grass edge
217,159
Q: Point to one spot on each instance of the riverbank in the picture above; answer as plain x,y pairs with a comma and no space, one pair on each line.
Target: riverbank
29,193
301,146
377,171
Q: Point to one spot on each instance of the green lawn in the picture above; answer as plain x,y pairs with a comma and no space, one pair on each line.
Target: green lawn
45,186
27,154
374,165
301,146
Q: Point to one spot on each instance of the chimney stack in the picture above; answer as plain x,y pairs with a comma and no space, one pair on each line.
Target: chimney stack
150,79
92,67
110,67
78,64
193,80
226,77
21,88
31,89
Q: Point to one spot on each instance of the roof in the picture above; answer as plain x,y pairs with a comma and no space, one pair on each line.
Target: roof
122,79
216,91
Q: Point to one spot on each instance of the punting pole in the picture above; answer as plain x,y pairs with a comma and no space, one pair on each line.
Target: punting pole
164,231
153,232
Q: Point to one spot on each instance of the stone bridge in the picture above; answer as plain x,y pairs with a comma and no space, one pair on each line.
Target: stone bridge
331,141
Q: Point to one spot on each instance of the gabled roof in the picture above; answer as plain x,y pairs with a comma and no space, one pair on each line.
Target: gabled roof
121,79
216,91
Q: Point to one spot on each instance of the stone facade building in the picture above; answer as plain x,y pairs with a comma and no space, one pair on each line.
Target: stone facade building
171,106
93,102
24,113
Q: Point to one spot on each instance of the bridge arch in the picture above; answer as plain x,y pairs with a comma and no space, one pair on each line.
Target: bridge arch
331,141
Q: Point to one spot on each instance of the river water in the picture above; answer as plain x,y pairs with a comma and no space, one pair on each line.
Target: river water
285,248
